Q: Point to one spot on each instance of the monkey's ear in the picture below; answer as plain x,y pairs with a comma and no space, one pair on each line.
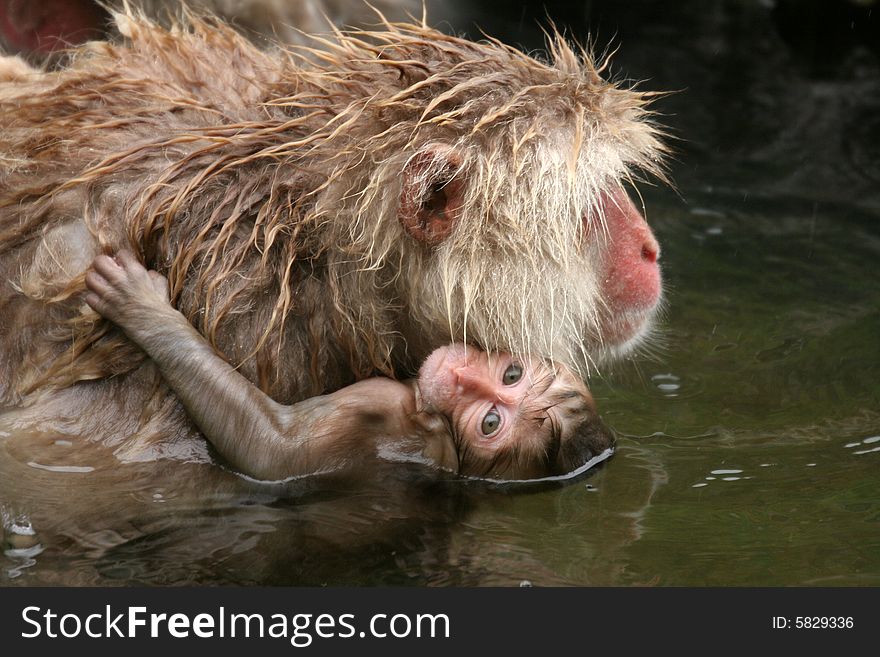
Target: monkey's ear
432,195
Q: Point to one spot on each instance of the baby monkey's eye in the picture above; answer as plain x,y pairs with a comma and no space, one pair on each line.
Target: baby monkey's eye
491,422
512,374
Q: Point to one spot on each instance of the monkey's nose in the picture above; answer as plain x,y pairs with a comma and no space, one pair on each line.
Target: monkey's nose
473,382
650,249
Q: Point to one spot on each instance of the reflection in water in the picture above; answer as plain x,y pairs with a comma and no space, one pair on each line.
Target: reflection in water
61,468
668,384
196,523
19,542
717,475
866,441
651,462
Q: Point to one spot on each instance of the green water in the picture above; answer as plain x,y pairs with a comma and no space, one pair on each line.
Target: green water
766,457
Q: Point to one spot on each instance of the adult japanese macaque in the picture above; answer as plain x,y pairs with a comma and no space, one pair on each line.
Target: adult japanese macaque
496,417
322,217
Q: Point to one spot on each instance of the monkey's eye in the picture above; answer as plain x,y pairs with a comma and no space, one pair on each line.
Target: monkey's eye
491,422
512,374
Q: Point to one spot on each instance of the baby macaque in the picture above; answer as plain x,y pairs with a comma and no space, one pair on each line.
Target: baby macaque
492,416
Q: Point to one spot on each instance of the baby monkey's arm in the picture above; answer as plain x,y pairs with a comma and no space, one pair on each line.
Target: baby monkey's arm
247,427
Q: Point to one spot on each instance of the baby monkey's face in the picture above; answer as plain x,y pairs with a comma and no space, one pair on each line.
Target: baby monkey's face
511,417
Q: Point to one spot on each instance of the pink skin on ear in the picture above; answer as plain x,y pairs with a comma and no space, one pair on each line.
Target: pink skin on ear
429,217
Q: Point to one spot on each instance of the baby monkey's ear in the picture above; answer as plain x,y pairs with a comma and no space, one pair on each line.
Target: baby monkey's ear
432,195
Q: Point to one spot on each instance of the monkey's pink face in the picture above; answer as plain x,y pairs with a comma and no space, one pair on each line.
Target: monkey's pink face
498,405
630,274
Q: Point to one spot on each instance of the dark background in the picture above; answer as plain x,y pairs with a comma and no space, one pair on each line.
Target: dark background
777,94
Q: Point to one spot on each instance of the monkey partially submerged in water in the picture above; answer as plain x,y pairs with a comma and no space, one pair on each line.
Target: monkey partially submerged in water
497,417
321,218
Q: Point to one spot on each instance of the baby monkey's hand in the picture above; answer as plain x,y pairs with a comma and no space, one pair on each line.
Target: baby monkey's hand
123,291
